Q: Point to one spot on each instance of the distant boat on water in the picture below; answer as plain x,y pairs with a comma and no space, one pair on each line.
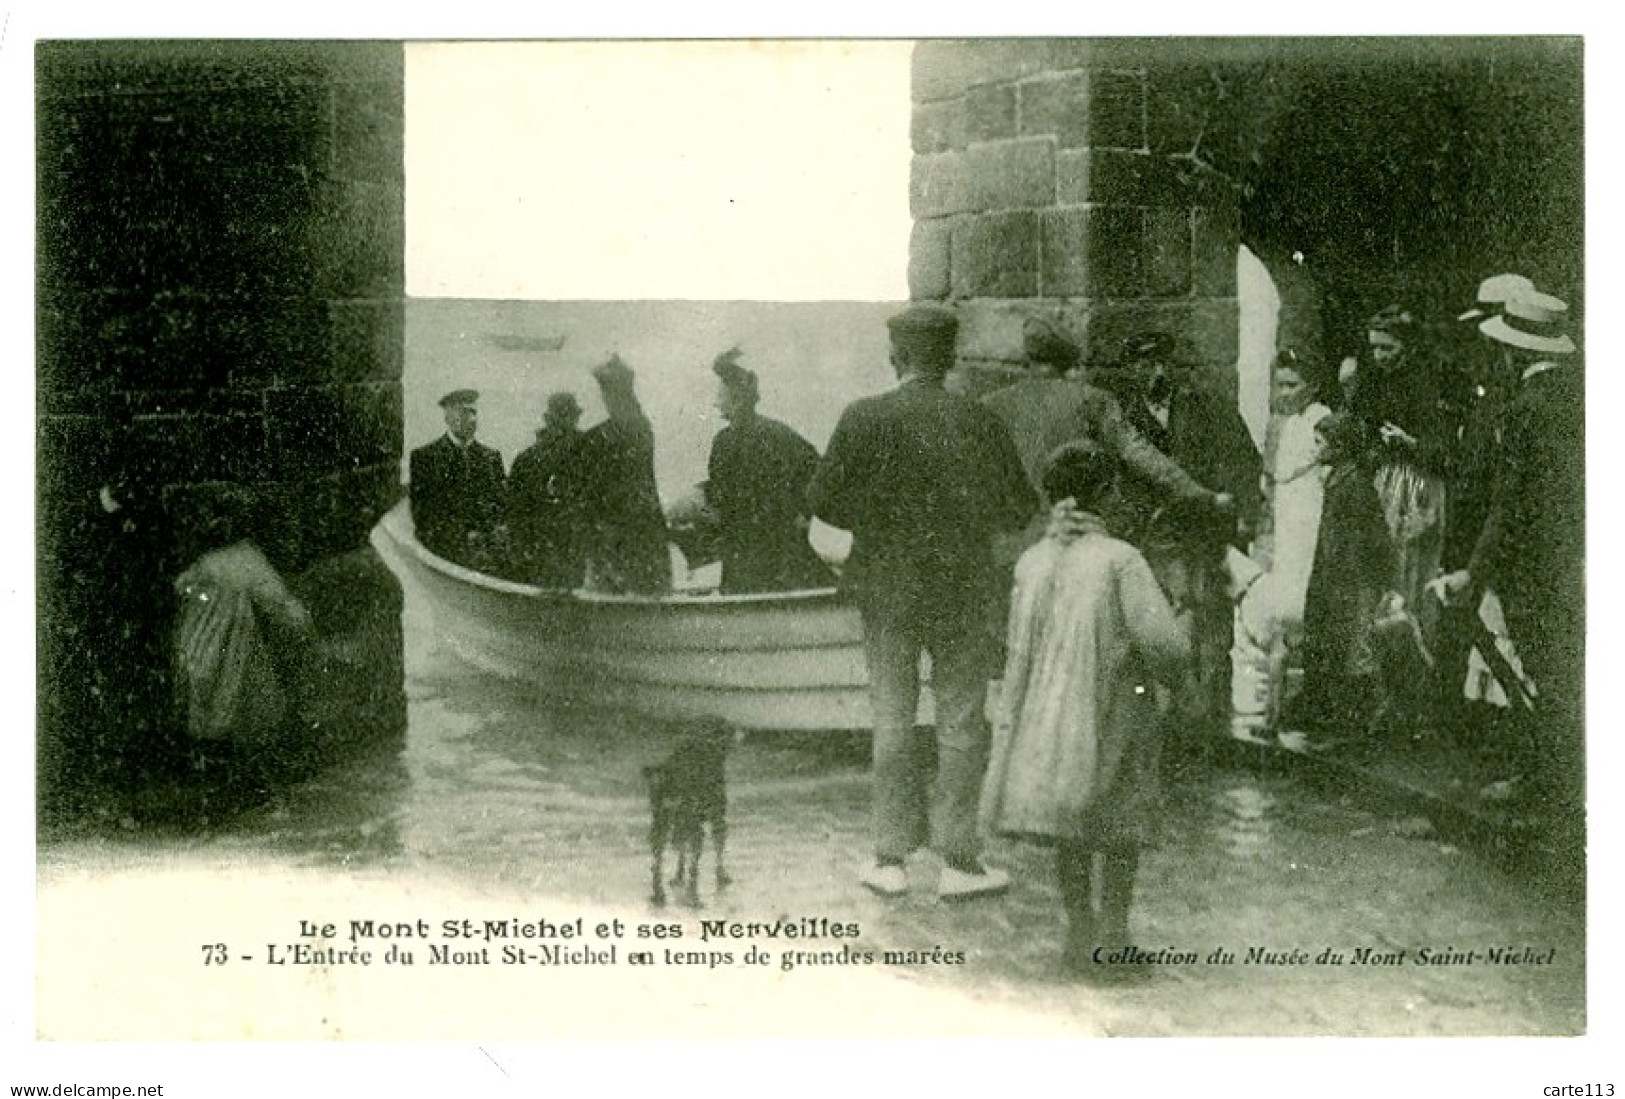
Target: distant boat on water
507,341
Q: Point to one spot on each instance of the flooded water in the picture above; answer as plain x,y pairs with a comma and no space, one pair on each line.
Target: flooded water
1262,895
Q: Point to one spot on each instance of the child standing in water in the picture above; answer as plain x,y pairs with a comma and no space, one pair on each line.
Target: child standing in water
1076,751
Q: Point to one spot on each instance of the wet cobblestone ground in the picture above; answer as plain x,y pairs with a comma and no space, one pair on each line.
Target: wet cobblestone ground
495,791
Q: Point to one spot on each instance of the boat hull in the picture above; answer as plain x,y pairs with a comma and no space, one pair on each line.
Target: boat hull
784,661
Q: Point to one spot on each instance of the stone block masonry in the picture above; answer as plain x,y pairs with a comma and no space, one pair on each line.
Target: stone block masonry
220,288
1071,179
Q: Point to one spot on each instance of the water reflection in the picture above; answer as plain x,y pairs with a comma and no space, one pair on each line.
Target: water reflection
1243,818
493,790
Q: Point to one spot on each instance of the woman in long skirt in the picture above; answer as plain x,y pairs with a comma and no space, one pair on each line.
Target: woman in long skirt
1075,756
1398,399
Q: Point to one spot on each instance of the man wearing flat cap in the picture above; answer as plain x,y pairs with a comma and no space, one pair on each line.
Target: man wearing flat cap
1051,406
546,543
458,489
756,482
924,478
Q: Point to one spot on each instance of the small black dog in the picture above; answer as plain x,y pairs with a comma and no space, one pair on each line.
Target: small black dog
687,791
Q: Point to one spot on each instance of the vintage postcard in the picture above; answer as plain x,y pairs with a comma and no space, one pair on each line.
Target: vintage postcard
1006,538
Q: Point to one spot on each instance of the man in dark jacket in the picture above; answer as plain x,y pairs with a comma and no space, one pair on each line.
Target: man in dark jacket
1481,387
757,484
1192,425
1205,436
924,478
458,489
1531,550
1045,409
610,484
546,543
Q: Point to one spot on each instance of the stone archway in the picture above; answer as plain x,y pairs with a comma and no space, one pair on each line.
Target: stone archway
1410,171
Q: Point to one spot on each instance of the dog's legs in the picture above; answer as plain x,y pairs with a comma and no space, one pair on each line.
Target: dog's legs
719,837
679,845
689,855
658,830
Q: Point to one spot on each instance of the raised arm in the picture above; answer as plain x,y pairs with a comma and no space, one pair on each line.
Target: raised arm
1138,455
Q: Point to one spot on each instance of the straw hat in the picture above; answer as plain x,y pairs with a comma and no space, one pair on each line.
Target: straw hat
1532,321
1495,291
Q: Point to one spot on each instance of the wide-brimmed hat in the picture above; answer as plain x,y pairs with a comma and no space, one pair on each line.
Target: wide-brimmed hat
1494,292
1532,321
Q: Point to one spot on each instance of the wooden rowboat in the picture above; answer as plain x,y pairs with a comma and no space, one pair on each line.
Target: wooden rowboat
782,661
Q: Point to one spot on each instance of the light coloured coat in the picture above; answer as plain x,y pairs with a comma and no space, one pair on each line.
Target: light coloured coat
1076,746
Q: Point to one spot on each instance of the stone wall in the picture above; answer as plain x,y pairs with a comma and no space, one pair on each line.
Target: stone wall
220,300
1108,183
1090,183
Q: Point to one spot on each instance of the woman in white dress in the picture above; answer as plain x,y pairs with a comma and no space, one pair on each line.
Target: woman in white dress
1269,618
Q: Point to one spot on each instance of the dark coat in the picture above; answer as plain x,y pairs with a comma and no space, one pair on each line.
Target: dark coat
923,479
1043,413
610,485
458,497
1205,437
1480,418
545,539
757,483
1532,548
1411,396
1354,566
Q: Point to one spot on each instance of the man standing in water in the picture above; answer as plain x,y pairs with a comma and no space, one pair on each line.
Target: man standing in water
924,478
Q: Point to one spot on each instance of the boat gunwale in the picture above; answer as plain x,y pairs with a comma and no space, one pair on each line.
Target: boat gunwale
397,524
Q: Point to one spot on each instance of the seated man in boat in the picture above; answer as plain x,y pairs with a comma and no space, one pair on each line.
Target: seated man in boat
610,485
546,545
458,489
758,477
924,478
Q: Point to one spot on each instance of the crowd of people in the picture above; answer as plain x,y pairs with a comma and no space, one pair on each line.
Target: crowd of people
1421,548
1111,551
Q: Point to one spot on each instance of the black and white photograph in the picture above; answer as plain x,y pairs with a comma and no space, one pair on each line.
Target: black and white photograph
1064,538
